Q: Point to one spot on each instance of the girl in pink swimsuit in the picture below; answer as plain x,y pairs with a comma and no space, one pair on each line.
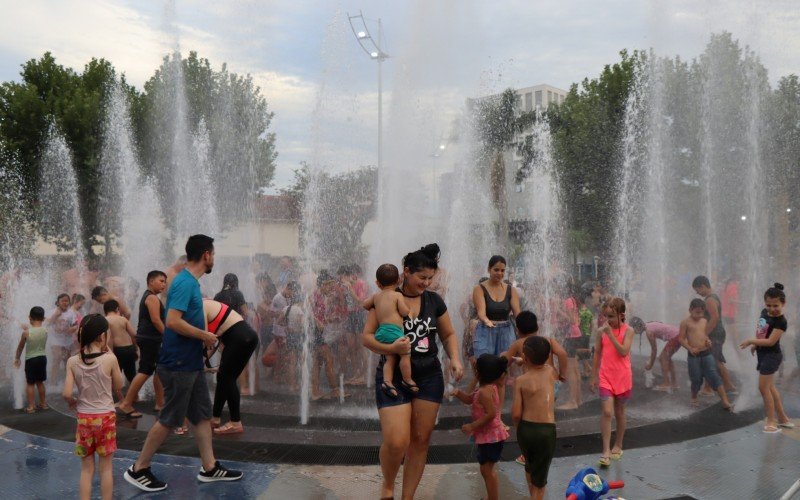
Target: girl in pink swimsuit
612,367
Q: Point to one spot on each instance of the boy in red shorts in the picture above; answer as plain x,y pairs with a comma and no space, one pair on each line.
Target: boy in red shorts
96,374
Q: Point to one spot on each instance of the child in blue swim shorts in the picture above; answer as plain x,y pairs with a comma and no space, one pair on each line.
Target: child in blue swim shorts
390,309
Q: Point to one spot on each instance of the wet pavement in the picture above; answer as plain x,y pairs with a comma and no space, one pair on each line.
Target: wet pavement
740,464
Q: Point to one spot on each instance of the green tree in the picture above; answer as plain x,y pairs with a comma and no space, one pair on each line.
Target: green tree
587,130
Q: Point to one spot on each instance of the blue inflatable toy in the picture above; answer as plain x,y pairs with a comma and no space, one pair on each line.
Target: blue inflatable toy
588,485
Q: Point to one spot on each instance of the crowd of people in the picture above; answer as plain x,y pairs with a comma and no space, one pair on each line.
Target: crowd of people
545,346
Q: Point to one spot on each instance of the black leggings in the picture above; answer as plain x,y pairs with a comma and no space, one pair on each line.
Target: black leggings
240,341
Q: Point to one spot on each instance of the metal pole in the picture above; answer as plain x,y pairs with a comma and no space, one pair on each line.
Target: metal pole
380,97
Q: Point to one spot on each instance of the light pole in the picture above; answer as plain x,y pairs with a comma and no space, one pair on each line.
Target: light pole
372,46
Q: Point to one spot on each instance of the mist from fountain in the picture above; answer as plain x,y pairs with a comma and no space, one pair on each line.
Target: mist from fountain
128,194
693,184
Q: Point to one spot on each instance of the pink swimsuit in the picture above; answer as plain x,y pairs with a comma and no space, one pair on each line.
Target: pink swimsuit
616,376
494,431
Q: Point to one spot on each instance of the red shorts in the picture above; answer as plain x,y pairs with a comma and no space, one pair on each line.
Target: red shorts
606,394
96,433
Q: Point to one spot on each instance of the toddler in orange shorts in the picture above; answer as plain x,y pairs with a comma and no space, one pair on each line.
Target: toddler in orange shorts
96,374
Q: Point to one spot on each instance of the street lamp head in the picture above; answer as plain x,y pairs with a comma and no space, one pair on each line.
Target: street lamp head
362,35
442,147
788,210
744,217
374,54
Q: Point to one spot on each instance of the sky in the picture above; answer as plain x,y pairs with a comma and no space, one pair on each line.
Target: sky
323,88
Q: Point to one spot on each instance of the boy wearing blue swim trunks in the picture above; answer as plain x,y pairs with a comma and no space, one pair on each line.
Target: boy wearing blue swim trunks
390,309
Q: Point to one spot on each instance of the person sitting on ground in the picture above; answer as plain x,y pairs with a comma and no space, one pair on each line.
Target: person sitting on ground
668,333
533,413
390,309
700,361
33,340
122,340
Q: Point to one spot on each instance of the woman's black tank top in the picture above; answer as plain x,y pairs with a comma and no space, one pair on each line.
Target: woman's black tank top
497,311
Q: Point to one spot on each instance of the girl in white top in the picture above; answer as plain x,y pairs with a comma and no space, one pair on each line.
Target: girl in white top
95,372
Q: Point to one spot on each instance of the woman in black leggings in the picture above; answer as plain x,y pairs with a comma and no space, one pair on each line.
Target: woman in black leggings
239,341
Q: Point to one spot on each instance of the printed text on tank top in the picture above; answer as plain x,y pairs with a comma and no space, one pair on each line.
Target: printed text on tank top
219,319
497,310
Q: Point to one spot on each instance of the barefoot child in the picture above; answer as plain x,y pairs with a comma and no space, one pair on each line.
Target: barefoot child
533,413
121,338
33,340
700,360
612,373
668,333
96,374
486,427
390,309
528,326
766,345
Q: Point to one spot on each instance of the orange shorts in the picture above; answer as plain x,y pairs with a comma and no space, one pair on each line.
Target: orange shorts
96,433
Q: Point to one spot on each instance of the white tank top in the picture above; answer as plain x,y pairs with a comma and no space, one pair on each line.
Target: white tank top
94,387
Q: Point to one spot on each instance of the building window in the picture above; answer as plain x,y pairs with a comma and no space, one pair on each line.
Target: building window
549,97
519,188
528,102
538,98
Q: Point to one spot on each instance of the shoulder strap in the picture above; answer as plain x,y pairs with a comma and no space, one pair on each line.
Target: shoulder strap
508,292
486,293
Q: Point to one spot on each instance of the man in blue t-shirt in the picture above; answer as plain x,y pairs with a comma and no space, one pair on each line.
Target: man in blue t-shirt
180,368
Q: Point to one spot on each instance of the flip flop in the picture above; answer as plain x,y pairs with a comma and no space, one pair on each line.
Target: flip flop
771,429
229,429
520,460
42,407
410,387
30,409
787,425
180,431
131,414
389,390
617,456
604,461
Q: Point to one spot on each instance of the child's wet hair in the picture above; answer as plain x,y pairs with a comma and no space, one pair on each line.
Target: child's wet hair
98,291
76,297
36,313
490,368
387,274
91,327
697,304
110,306
701,281
638,325
155,274
537,350
617,305
496,259
61,296
776,292
527,323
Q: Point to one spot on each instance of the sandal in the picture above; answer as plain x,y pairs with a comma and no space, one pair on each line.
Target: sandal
180,431
786,425
389,390
604,461
42,406
617,455
520,460
229,428
30,409
771,429
133,414
410,387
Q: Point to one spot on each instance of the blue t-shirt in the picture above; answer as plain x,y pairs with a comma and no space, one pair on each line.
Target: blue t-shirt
178,352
